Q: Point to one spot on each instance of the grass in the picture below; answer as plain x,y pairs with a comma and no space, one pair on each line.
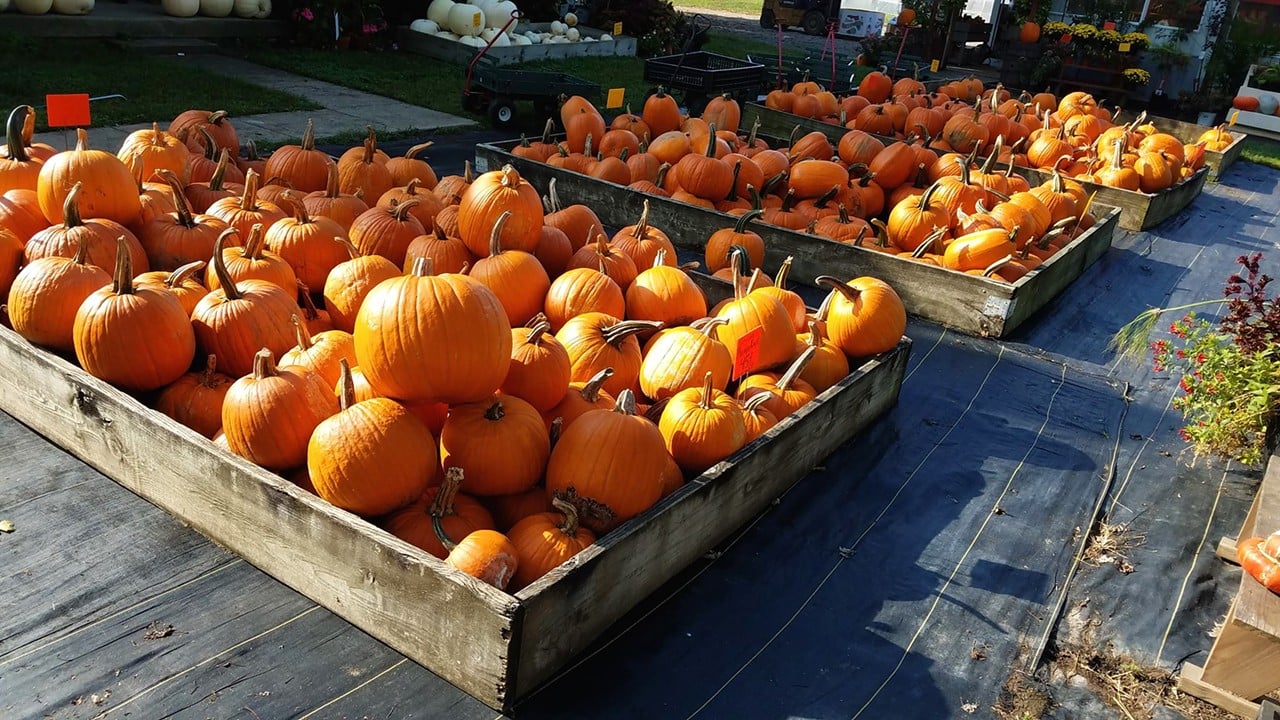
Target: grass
1262,151
740,7
156,88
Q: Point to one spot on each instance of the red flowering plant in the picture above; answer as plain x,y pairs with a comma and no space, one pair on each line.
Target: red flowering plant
1230,368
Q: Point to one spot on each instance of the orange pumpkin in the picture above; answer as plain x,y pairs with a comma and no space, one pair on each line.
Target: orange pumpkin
269,415
545,541
110,191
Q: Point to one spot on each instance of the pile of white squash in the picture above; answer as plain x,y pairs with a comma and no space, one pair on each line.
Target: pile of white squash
217,8
43,7
476,23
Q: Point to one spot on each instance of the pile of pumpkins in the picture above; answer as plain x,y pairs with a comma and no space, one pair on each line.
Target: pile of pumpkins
1074,134
252,9
481,22
957,211
372,331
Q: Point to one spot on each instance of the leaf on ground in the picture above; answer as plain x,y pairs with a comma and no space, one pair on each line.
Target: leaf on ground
6,526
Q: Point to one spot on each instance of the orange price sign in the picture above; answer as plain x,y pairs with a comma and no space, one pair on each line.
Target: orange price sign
748,352
67,110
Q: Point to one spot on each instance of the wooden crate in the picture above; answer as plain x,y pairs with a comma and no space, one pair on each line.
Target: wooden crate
779,124
975,305
1138,210
1217,162
496,646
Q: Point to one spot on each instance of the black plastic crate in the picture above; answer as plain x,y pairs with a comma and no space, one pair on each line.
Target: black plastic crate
703,72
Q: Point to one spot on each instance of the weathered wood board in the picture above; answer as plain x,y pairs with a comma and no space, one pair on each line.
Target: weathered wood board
780,124
1217,162
1138,210
493,645
972,304
1244,662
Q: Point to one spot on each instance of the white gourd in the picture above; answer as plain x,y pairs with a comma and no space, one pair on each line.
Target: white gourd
264,10
438,12
572,35
498,14
180,8
606,37
72,7
244,8
216,8
466,20
488,34
570,19
446,35
522,40
501,40
471,41
424,25
33,7
588,39
558,28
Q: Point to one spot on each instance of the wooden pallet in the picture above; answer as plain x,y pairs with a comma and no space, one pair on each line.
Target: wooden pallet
498,647
971,304
1244,662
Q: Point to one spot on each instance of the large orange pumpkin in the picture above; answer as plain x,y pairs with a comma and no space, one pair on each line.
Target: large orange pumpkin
473,431
441,510
195,399
545,541
269,415
866,316
443,338
371,457
305,167
486,199
110,190
609,465
46,295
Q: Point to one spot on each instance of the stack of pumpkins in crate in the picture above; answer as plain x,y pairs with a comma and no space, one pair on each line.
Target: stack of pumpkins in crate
1074,134
905,198
491,382
480,23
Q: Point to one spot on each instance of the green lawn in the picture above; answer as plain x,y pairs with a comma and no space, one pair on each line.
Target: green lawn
741,7
1262,151
155,88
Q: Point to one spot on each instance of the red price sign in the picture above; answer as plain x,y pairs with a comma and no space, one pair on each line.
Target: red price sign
748,352
1108,25
67,110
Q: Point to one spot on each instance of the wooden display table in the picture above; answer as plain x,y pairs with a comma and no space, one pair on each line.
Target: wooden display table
1244,663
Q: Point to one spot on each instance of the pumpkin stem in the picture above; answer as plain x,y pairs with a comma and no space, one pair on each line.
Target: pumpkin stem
862,233
815,334
13,134
661,177
71,207
570,525
850,293
249,198
82,140
660,257
740,227
219,170
993,267
591,389
780,280
264,364
928,242
711,140
615,334
706,403
755,280
352,251
753,403
300,213
707,324
182,274
796,368
346,386
553,198
555,431
442,505
211,148
733,189
220,267
122,281
300,331
254,247
370,146
82,251
538,331
208,376
183,208
401,211
751,136
788,201
309,136
495,236
423,267
626,402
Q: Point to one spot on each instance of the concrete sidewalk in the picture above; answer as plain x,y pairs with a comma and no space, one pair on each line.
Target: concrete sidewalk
343,109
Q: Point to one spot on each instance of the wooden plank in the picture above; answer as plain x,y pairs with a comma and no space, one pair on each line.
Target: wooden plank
1217,162
1244,661
1227,545
1257,607
779,124
972,304
1138,211
358,571
1190,683
573,604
